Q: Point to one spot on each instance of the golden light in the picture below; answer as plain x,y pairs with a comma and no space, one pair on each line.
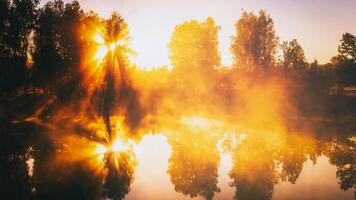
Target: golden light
112,46
103,47
101,149
117,146
101,52
197,122
99,39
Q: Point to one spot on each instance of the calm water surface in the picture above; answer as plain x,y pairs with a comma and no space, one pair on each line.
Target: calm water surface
309,176
197,160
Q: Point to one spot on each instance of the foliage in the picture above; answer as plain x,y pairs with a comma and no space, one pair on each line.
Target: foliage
345,62
255,45
57,45
347,48
17,23
293,55
194,46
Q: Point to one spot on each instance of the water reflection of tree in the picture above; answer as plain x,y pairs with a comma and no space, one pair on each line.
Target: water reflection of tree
52,177
60,180
253,170
342,154
15,182
120,170
193,165
293,154
262,160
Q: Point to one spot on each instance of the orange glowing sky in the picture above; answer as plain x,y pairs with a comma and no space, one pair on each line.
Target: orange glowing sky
317,24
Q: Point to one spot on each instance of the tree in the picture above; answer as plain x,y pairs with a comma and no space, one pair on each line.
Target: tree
345,62
24,20
194,55
71,20
347,48
17,23
255,45
106,77
71,49
57,43
194,46
293,55
119,96
48,61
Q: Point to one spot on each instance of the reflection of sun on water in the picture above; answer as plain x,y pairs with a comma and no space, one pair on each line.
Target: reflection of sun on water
116,153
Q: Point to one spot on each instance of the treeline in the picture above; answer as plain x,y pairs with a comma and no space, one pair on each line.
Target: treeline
41,48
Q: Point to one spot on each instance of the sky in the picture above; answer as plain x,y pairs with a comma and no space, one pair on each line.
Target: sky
317,24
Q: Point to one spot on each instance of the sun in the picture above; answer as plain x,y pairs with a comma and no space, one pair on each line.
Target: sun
117,146
103,47
101,52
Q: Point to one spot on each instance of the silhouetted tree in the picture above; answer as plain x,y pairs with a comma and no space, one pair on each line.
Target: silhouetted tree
57,44
317,79
71,49
255,45
48,61
347,48
345,62
115,67
116,94
18,20
293,56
